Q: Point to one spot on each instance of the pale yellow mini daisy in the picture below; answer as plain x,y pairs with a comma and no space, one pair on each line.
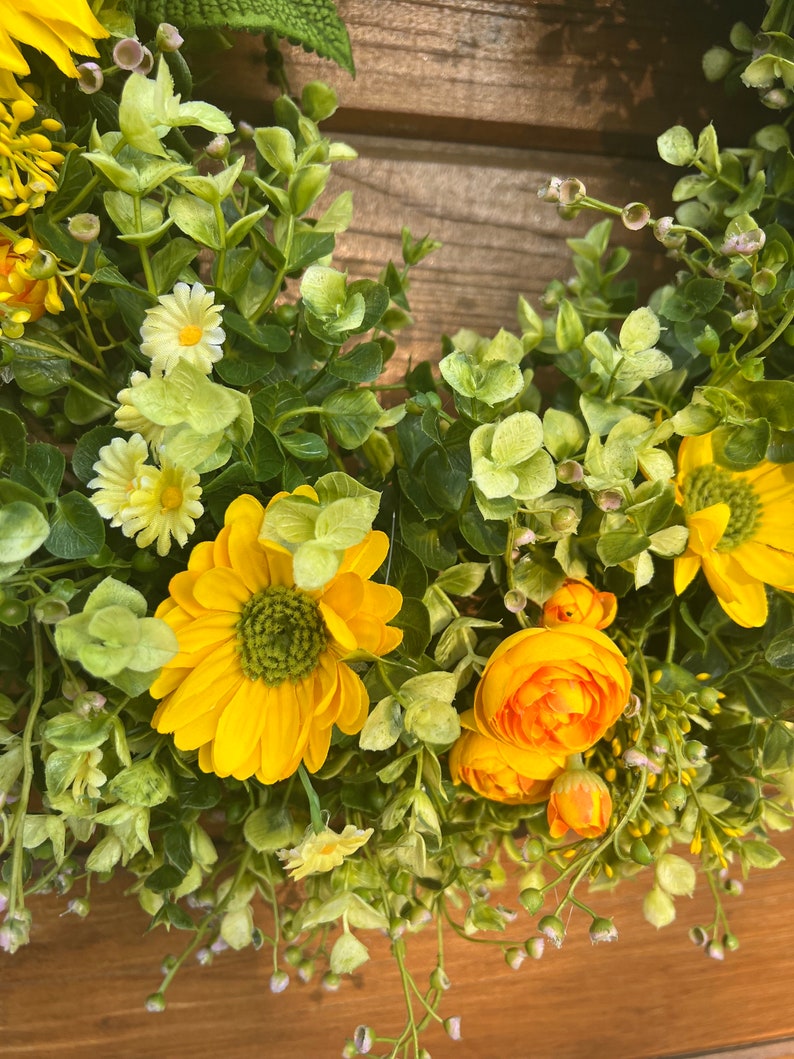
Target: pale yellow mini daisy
129,418
184,326
163,504
321,852
118,468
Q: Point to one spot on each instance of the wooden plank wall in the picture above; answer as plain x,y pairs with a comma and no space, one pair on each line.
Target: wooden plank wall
460,109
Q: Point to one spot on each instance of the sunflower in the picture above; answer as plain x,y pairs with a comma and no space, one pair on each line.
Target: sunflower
54,27
261,677
736,520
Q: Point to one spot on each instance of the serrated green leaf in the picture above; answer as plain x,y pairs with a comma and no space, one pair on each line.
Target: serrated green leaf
313,23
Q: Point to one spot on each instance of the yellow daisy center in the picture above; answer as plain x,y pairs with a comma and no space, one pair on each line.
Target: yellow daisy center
708,485
190,335
171,498
280,635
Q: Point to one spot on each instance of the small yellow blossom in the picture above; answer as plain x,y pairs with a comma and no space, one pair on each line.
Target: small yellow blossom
117,470
164,503
89,778
184,326
323,851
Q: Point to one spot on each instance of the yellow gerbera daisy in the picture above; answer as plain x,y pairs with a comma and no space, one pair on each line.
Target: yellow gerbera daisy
261,677
737,521
54,27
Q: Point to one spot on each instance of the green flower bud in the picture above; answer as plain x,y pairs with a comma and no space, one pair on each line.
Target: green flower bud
44,265
532,900
694,751
602,930
675,795
745,321
553,928
640,853
84,227
155,1002
439,979
534,947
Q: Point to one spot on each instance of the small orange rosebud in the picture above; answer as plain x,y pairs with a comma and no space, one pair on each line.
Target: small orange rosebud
580,602
579,800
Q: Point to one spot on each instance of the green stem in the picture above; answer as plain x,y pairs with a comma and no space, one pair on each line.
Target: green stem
16,897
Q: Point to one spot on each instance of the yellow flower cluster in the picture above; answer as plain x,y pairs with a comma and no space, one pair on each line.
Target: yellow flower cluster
28,164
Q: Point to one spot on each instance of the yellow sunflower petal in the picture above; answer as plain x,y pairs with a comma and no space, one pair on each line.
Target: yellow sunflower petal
337,628
740,595
707,526
763,563
354,701
365,558
221,589
240,726
685,567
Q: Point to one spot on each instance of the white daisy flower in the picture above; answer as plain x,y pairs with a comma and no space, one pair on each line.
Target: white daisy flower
184,326
164,504
129,418
118,467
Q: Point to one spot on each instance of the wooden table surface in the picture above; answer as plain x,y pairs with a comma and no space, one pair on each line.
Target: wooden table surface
78,989
460,109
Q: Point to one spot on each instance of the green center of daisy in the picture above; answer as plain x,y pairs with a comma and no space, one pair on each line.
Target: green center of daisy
709,485
280,635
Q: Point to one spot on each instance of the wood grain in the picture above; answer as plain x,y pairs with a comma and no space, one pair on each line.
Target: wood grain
585,75
78,989
498,239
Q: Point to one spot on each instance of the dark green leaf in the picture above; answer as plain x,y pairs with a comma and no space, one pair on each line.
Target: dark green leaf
270,337
86,451
486,536
166,877
313,23
176,847
170,261
305,446
780,651
77,529
43,470
351,416
414,621
363,363
12,438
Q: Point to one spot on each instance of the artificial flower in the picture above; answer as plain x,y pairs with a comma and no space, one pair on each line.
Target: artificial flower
54,27
261,677
580,602
580,801
28,163
737,521
554,691
129,418
23,298
163,503
184,325
321,851
499,771
117,472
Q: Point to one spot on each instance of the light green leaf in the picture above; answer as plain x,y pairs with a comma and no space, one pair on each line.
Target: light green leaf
640,331
23,529
516,438
383,726
313,565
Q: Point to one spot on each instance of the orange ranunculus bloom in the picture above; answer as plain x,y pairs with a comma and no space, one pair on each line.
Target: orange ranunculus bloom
580,602
579,800
554,691
501,772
